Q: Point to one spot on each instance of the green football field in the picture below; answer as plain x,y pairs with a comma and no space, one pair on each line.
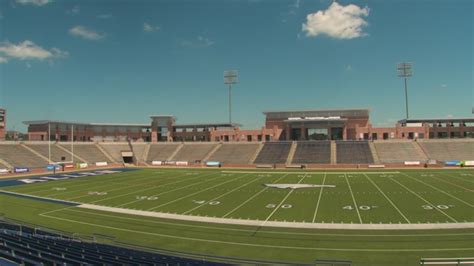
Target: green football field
401,200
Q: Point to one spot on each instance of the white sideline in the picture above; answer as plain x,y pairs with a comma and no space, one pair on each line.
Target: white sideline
309,173
345,226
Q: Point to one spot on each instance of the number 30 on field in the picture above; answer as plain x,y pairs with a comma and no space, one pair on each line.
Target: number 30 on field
362,207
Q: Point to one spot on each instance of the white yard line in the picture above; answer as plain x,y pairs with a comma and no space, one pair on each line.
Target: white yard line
251,198
220,196
281,202
73,185
232,229
192,194
122,187
454,184
460,178
307,173
176,189
440,190
146,189
388,199
353,199
423,199
319,198
279,224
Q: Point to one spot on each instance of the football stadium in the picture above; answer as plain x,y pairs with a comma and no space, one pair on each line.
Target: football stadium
338,183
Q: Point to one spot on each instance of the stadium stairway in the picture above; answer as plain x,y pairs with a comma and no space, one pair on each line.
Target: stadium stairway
333,152
235,153
218,146
161,151
180,146
420,151
291,154
5,164
75,154
35,152
146,152
257,152
139,150
192,152
374,153
106,154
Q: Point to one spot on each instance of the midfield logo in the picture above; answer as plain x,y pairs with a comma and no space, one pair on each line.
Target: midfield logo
295,186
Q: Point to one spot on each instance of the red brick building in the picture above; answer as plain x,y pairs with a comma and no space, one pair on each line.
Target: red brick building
338,124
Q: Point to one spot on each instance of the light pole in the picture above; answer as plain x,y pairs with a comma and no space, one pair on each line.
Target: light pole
230,77
404,71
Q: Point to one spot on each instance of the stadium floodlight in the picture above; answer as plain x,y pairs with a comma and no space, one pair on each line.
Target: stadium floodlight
404,71
230,77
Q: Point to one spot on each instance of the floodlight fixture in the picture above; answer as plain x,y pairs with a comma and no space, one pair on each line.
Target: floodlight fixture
404,70
230,78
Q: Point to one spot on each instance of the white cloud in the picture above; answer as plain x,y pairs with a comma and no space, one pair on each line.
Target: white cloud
339,22
104,16
85,33
199,42
149,28
34,2
348,68
28,65
28,50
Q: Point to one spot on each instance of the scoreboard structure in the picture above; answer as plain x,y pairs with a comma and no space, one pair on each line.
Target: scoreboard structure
3,122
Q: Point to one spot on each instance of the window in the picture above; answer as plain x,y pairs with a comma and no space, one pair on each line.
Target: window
249,137
267,137
374,136
385,135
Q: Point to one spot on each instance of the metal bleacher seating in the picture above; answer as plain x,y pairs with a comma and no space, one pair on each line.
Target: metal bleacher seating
115,150
87,151
57,154
443,150
17,155
397,152
317,152
161,152
273,153
192,152
353,152
29,246
238,153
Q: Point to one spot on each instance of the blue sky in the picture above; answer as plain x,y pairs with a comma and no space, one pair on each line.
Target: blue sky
121,61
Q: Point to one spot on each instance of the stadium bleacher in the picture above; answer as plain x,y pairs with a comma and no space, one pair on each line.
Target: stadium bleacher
57,153
115,150
353,152
139,150
273,153
238,153
192,152
88,152
29,246
17,155
317,152
443,150
397,151
161,152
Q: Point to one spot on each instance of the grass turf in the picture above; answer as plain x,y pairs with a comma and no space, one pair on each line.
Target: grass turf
426,196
